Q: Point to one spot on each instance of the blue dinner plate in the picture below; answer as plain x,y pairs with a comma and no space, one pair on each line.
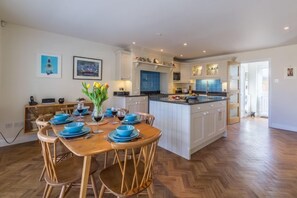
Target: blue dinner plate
131,122
56,122
107,115
116,138
65,134
83,113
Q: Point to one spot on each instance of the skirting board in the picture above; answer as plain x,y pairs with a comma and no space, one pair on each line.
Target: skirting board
283,127
21,139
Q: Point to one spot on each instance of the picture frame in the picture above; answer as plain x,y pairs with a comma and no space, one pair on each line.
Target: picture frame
87,68
49,65
290,72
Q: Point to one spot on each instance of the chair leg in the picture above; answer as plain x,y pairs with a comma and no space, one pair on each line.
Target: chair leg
94,186
152,188
62,191
42,174
149,192
102,191
45,190
49,192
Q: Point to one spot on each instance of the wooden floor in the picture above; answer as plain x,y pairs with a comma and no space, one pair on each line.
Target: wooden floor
253,161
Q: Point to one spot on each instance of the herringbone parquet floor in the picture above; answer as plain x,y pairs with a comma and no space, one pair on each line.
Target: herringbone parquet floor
253,161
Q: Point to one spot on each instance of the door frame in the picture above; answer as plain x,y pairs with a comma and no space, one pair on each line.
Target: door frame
269,81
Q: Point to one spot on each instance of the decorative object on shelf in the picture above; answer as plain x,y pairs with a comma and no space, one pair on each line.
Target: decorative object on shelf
49,66
32,102
80,99
156,61
61,100
197,70
212,69
97,94
87,68
290,72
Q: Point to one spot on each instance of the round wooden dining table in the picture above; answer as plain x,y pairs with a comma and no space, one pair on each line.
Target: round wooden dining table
98,143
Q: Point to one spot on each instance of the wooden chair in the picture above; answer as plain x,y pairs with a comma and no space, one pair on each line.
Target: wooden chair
61,151
128,177
147,118
68,110
66,172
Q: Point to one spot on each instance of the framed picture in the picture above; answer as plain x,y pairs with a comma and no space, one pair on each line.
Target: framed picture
49,66
87,68
290,72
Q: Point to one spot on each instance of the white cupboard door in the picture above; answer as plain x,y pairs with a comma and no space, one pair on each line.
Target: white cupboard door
209,124
221,119
126,66
132,107
197,129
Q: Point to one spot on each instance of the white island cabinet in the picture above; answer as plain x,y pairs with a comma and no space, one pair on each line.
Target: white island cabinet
188,128
133,104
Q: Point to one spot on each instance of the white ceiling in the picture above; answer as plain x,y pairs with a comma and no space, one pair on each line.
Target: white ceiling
217,26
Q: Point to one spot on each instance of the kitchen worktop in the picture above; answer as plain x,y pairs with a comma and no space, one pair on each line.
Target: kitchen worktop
199,100
127,96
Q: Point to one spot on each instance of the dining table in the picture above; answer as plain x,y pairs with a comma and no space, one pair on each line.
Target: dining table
98,143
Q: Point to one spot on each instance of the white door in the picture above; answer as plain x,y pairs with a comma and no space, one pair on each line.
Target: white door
262,90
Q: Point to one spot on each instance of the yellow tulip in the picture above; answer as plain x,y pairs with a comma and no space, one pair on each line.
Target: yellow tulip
106,85
88,86
94,84
98,85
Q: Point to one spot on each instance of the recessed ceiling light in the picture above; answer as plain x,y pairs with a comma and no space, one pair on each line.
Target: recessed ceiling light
286,28
185,44
161,50
204,51
181,55
133,42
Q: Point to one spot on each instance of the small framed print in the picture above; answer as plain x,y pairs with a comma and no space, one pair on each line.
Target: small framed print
49,66
290,72
87,68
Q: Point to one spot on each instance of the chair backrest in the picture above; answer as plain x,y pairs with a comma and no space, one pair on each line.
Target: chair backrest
48,144
68,110
139,176
42,120
148,118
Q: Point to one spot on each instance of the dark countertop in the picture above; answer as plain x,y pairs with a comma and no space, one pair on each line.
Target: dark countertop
199,100
139,95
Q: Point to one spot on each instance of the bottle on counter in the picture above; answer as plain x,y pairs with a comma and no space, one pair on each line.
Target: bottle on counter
190,89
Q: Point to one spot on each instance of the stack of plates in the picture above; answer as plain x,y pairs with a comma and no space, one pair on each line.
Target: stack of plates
131,122
65,134
57,122
116,138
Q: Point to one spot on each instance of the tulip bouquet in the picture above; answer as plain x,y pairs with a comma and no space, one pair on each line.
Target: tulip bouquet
97,94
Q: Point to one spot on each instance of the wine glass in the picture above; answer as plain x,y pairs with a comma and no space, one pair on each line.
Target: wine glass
98,117
80,109
114,112
121,114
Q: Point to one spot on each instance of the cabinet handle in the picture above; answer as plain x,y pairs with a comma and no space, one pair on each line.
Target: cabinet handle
219,110
198,107
211,105
204,113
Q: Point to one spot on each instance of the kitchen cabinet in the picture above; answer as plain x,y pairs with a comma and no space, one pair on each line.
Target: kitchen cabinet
124,65
188,128
133,104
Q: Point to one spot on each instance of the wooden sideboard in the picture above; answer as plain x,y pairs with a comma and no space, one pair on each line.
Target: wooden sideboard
32,112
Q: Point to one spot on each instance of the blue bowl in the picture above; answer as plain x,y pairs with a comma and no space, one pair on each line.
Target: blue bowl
108,111
61,117
131,117
125,130
74,127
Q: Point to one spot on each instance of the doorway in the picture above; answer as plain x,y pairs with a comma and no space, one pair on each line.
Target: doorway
255,89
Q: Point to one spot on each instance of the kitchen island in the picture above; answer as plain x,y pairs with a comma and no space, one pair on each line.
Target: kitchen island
189,124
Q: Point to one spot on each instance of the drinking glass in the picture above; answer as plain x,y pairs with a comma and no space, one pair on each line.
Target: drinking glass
121,114
80,109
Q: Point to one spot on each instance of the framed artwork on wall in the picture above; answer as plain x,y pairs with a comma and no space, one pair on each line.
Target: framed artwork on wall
49,66
290,72
87,68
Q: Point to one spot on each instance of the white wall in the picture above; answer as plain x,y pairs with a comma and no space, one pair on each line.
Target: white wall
283,95
21,45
